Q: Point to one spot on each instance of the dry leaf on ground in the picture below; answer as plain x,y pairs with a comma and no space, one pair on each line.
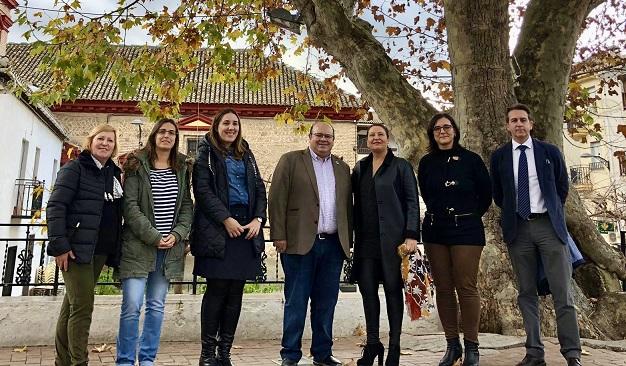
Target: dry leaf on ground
100,349
358,331
20,350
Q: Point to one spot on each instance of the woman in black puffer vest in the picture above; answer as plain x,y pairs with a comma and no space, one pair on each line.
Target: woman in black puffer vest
84,218
227,233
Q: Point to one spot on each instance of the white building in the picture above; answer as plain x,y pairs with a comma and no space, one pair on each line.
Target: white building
597,164
31,141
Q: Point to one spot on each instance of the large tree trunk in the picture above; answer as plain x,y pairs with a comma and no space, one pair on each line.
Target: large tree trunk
349,40
483,87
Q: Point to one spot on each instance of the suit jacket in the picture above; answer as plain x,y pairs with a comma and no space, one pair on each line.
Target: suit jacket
552,175
294,202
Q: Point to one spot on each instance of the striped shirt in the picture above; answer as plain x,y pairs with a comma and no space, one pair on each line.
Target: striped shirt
325,177
164,194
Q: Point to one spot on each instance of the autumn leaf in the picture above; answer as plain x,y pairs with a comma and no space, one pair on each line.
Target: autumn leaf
101,349
21,350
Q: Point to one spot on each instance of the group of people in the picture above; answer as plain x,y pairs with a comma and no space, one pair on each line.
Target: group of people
316,207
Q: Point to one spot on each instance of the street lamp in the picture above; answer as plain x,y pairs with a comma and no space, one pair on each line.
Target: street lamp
138,122
284,19
603,160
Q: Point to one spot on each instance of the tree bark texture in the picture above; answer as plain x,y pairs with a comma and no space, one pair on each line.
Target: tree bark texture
331,26
483,87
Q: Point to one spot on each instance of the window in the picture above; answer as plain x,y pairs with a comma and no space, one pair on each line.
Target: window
596,161
192,145
55,167
622,162
36,165
361,140
23,160
622,78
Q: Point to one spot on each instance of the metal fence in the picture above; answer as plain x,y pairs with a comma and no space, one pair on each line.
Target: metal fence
28,199
580,175
43,278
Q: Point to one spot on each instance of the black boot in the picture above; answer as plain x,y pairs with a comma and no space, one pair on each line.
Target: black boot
209,325
223,351
393,355
454,352
471,353
207,355
228,322
370,352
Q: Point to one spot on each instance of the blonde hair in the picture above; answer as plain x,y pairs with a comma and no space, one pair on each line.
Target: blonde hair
96,130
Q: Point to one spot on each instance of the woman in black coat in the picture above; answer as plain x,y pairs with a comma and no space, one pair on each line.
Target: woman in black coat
84,217
227,236
386,216
456,189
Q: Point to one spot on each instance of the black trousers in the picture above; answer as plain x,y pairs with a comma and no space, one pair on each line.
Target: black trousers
370,275
221,307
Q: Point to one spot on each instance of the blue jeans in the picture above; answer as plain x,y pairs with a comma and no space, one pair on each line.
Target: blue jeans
155,289
314,275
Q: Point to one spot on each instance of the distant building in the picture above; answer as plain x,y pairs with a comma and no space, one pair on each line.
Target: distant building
597,166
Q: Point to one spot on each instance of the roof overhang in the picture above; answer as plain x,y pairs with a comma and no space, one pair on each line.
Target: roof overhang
244,110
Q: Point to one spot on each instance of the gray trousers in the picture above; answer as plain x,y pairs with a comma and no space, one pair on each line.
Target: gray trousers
534,238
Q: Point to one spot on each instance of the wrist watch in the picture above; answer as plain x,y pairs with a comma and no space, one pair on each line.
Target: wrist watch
259,220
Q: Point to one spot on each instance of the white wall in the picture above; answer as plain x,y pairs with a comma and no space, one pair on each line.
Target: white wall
18,122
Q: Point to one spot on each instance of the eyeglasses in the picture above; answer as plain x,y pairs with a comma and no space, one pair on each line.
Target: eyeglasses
446,128
163,132
325,136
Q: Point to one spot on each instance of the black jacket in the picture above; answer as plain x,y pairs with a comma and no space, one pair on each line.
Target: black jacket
210,189
74,210
456,189
398,209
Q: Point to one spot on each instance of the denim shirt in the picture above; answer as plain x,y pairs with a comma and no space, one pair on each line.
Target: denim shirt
237,185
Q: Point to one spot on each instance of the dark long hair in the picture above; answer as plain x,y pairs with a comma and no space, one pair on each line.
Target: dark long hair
237,146
150,148
432,146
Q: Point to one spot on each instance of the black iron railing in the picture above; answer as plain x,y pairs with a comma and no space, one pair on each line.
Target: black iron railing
18,269
580,175
29,197
597,165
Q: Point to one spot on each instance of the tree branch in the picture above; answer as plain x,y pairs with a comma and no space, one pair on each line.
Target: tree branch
351,42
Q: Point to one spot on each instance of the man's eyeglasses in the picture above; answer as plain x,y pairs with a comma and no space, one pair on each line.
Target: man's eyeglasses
446,128
320,136
164,132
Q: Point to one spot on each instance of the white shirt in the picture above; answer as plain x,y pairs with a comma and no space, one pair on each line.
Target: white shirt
537,204
325,177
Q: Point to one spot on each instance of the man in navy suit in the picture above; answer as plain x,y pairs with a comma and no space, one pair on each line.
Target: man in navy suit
530,186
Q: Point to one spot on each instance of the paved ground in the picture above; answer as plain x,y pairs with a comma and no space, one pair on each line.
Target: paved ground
418,350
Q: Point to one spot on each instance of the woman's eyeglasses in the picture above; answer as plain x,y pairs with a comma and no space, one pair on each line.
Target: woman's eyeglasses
446,128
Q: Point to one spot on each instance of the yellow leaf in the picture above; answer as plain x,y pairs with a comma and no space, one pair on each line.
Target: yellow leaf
21,350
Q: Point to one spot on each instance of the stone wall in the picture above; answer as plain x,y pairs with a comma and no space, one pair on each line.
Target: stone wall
31,320
268,139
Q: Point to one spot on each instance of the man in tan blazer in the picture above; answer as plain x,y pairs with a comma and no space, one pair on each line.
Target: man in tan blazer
310,208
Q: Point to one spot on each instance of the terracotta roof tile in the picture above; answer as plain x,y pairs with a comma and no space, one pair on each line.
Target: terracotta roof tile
24,64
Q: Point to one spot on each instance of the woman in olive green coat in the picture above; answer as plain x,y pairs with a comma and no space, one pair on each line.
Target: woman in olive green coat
158,215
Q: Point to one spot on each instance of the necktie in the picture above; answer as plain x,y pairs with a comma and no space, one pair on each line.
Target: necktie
523,191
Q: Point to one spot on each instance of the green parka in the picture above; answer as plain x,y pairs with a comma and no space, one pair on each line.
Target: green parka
139,235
